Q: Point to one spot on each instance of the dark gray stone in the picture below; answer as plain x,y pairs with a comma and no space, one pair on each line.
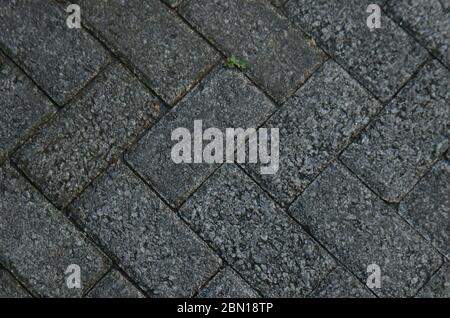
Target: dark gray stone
170,57
341,284
114,285
225,98
360,229
173,3
10,288
409,136
149,241
383,60
428,20
439,285
278,3
315,125
38,243
22,106
427,207
255,236
227,284
280,57
59,59
80,141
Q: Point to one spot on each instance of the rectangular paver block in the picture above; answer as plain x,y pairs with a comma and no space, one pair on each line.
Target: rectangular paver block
341,284
428,21
256,237
114,285
79,143
170,57
23,107
409,136
427,207
439,284
382,59
61,60
360,230
227,284
315,125
280,58
38,243
147,239
224,99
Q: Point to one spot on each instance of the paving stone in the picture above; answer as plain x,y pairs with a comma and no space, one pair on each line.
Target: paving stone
38,243
22,105
255,236
409,136
10,287
278,3
225,98
315,125
279,56
170,56
439,285
114,285
360,229
173,3
149,242
427,207
341,284
428,20
59,59
227,284
383,60
80,142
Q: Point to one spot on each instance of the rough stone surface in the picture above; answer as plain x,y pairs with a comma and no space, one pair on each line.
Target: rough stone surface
114,285
38,243
226,98
169,55
427,207
360,229
22,106
428,20
439,285
9,287
279,56
404,142
382,59
256,237
59,59
341,284
315,125
227,284
173,3
149,241
78,143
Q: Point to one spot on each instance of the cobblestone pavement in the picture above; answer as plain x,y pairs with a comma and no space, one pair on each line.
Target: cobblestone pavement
86,175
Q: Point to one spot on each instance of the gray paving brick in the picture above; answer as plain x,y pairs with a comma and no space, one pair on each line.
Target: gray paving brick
278,3
225,98
410,135
22,107
255,236
360,229
315,125
59,59
382,60
227,284
428,20
79,143
38,243
166,52
427,207
280,57
114,285
10,287
341,284
173,3
439,285
149,242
